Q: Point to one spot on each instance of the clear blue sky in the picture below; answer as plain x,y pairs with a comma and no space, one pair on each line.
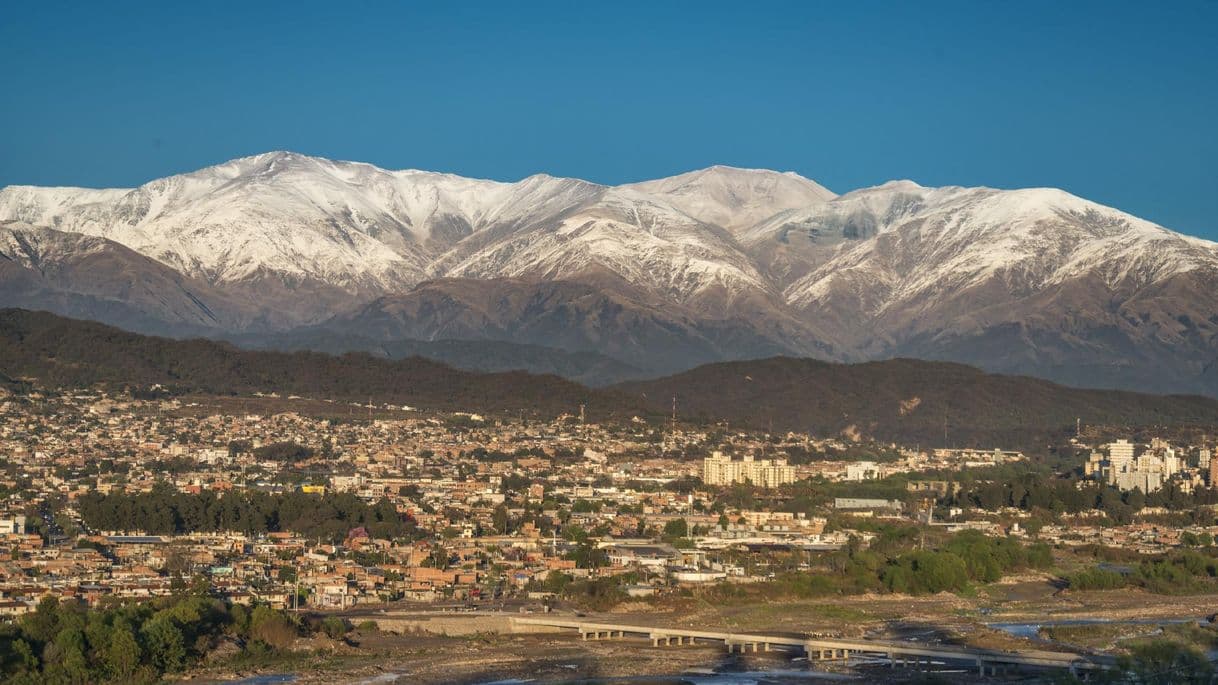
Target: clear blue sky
1115,101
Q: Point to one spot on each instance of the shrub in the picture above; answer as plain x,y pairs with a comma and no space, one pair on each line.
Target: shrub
272,628
334,627
1096,579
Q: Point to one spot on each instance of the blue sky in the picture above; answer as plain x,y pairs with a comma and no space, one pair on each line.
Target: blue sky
1114,101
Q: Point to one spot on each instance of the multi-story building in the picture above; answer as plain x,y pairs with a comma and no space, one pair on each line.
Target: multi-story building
12,525
721,469
863,470
1120,455
1147,472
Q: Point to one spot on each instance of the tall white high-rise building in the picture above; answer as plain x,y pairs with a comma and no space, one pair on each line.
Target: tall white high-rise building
1120,455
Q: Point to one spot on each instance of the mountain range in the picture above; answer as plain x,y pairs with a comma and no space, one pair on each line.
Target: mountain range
604,283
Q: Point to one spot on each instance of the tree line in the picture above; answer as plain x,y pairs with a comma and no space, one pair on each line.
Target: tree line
165,511
1070,496
142,642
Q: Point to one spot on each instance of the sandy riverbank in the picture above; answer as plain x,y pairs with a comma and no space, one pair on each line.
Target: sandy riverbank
482,657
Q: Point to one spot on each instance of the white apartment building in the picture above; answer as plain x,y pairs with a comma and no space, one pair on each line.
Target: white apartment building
863,470
12,525
1146,472
1120,454
721,469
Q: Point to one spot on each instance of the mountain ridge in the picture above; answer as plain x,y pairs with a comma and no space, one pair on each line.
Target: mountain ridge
893,400
713,264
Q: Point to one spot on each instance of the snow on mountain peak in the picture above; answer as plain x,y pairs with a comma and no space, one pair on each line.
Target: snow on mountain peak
733,198
366,229
931,241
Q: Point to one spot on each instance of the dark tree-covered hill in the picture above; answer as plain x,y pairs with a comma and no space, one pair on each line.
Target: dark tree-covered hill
901,400
60,352
908,400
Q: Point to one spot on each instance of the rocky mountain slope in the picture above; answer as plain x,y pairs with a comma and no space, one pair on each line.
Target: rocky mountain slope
662,275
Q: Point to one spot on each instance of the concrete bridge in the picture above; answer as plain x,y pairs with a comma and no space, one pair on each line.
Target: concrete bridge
987,661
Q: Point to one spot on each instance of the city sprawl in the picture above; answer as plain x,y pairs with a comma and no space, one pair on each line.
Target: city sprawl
304,504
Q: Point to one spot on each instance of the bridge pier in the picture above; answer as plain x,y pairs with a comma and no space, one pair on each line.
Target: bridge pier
916,656
993,667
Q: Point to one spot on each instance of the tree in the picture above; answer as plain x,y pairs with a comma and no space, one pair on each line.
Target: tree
122,654
583,506
65,657
165,644
587,556
43,624
1166,663
272,628
676,528
501,520
923,572
27,661
334,627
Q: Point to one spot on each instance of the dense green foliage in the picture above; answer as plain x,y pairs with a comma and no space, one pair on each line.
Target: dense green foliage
968,556
134,642
1176,573
1164,662
283,451
1067,495
164,511
893,563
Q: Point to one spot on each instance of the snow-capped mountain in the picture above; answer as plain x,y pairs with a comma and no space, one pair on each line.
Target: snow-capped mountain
717,263
368,230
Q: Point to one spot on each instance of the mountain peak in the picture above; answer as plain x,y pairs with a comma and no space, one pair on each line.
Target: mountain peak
735,198
901,184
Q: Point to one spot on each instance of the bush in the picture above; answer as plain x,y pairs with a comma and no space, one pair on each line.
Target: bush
334,627
272,628
926,572
1167,663
1096,579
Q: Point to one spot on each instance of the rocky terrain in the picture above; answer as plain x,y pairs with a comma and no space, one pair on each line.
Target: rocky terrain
281,249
